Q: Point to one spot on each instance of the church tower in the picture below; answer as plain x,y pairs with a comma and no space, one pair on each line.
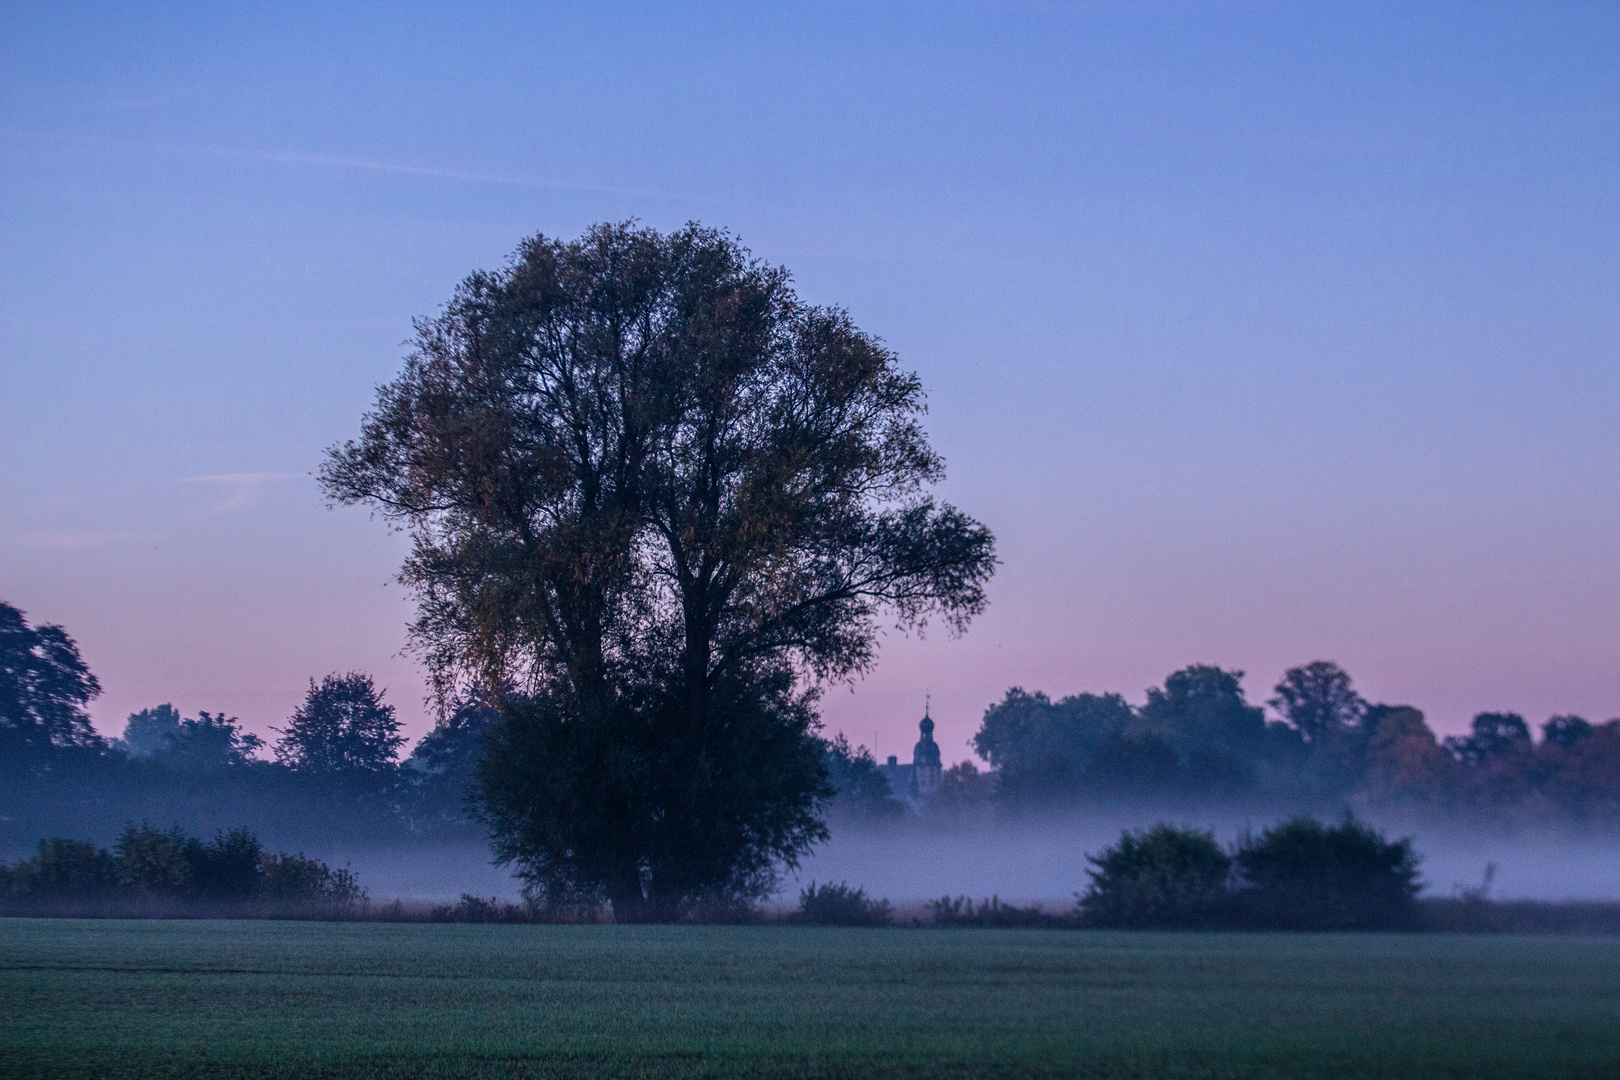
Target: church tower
925,767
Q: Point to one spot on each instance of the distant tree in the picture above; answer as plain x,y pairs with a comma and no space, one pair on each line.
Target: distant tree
965,796
1318,700
169,865
1042,749
1165,876
211,739
61,869
1136,766
227,867
1406,765
1581,777
1302,875
1565,731
146,731
1493,735
656,492
44,687
861,791
1202,714
342,727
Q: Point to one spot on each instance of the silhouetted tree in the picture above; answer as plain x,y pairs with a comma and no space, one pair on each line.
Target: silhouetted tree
1043,750
342,727
145,731
1406,766
1318,700
44,687
861,791
1302,875
1581,776
208,740
965,796
1202,714
649,488
1161,877
1565,731
1492,736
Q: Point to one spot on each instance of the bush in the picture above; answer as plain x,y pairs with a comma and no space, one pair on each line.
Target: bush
156,871
296,878
989,913
475,909
839,905
61,869
1303,875
1165,877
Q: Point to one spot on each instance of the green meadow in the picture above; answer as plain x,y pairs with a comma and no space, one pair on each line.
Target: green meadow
256,999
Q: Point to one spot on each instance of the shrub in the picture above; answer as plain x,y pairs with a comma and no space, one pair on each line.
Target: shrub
989,913
157,871
296,878
61,869
839,905
1303,875
152,862
1164,877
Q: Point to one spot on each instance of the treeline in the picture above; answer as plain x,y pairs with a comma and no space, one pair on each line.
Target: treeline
155,872
333,775
1198,742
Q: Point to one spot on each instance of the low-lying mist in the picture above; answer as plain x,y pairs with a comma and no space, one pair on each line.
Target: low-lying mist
1041,860
1044,860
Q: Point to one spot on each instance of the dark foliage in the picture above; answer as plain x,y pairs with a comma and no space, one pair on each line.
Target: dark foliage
709,812
862,795
1163,877
839,905
342,727
989,914
147,732
170,868
1319,701
1565,731
1493,736
1197,742
648,488
1303,875
1044,750
44,687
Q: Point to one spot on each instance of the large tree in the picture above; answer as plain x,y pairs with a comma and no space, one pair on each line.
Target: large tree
662,498
44,687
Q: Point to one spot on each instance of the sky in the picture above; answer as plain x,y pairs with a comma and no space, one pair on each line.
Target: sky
1257,333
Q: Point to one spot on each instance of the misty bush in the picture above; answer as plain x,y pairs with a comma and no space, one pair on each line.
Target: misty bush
169,866
839,905
992,913
1162,877
297,878
62,869
1303,875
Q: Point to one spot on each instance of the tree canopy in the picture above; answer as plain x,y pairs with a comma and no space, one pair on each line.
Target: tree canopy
659,497
44,687
342,727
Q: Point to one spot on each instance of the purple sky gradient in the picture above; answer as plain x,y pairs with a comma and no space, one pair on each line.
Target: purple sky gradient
1258,333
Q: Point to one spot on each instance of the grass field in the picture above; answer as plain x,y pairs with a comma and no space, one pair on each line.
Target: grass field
227,999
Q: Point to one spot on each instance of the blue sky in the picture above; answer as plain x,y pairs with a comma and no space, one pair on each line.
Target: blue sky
1259,333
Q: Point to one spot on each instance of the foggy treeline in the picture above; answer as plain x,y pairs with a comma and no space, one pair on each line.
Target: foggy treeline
1064,777
1198,744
